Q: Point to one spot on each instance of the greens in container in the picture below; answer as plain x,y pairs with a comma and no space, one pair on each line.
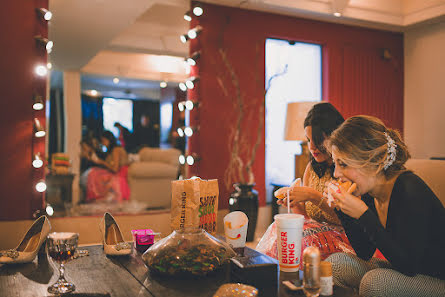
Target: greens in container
189,251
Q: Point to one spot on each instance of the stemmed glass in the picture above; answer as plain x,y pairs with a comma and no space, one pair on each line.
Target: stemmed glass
61,247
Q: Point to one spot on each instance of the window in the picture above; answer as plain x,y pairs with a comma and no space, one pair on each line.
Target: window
293,73
117,111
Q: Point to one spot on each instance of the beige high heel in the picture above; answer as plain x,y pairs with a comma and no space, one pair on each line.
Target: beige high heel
112,238
27,250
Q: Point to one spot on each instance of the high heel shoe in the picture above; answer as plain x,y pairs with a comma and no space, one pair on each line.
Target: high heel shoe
112,238
27,250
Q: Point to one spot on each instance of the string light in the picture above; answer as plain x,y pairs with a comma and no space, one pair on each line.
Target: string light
182,159
116,80
180,132
37,162
163,84
49,210
190,83
184,38
189,104
181,106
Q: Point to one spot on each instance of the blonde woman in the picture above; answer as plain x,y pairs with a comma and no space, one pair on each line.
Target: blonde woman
392,210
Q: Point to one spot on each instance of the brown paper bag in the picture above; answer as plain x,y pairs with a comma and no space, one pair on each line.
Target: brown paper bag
194,204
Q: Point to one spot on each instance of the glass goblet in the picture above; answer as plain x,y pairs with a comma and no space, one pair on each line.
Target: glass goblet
61,247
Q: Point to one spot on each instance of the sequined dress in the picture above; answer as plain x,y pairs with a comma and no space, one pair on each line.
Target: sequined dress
319,184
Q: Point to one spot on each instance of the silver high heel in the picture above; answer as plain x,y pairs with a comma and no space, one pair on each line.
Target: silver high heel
27,250
112,238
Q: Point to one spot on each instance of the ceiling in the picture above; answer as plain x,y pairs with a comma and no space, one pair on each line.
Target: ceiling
111,37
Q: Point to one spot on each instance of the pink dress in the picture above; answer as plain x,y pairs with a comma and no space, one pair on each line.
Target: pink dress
103,184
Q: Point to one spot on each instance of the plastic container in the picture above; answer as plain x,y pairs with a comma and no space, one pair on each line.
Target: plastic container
190,251
143,239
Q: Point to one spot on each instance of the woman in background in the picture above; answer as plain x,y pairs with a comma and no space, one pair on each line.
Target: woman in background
108,180
392,210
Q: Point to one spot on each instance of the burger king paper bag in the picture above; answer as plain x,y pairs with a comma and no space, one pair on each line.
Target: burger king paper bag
194,204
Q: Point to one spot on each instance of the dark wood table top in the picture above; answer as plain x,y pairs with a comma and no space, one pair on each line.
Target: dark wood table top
100,275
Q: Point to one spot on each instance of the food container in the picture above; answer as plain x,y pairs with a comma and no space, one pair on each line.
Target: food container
189,251
143,239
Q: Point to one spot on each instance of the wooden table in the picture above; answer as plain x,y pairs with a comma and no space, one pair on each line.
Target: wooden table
99,275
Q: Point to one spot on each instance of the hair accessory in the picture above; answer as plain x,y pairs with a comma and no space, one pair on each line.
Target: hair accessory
391,152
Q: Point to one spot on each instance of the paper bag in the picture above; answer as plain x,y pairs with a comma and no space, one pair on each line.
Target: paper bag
194,204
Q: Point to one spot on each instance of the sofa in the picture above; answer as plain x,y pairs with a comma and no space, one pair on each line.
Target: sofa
150,176
433,174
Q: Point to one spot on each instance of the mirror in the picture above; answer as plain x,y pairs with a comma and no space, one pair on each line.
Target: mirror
108,62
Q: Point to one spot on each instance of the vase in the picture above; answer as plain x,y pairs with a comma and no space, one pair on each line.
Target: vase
245,199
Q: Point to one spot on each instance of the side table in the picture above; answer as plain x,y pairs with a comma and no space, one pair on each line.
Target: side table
59,189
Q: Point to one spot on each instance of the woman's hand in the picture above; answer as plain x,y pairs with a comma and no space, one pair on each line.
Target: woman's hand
349,204
297,195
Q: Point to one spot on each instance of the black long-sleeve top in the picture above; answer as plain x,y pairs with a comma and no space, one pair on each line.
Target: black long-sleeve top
414,238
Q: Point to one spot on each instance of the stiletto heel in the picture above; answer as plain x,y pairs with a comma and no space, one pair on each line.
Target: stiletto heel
112,238
30,245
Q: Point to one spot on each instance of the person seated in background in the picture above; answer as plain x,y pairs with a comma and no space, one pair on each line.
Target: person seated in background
126,138
107,179
391,209
144,134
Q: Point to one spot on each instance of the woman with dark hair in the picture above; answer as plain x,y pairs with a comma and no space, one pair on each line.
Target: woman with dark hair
391,209
108,180
322,228
320,122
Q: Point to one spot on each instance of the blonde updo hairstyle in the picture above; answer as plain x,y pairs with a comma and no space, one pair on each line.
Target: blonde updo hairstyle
360,142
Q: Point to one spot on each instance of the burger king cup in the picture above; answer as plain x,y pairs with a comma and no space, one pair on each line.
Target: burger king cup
289,234
235,230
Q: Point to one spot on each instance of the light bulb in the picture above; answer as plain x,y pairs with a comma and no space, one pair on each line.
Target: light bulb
41,186
337,14
49,210
93,93
183,38
49,65
49,46
38,103
116,80
192,34
37,162
41,70
189,104
180,132
187,16
163,84
191,62
190,160
181,159
181,106
188,131
198,11
189,84
183,87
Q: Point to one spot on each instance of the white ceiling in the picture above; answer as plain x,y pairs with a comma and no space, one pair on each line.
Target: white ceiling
85,31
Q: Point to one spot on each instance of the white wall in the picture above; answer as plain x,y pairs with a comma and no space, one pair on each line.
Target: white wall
424,110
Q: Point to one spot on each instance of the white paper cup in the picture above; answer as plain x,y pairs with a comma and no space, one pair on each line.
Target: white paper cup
235,229
289,233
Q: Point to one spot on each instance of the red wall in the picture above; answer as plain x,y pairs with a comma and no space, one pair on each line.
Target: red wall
355,79
19,24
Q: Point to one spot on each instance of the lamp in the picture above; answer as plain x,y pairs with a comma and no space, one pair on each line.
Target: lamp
193,33
38,103
190,83
193,58
38,129
197,10
48,44
44,13
187,16
294,131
